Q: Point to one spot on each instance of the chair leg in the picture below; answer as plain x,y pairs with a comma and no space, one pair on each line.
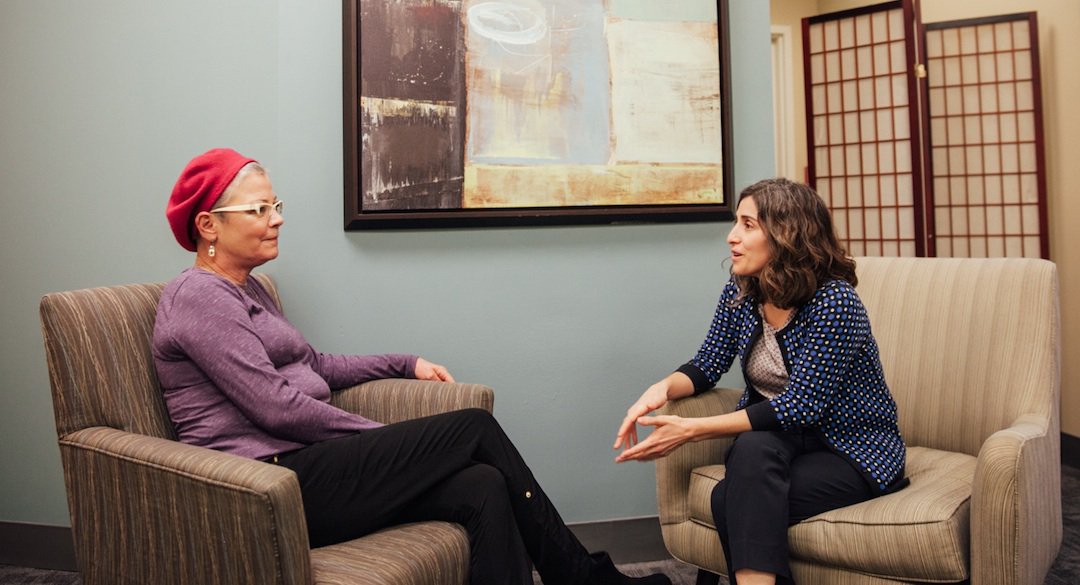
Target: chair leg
706,578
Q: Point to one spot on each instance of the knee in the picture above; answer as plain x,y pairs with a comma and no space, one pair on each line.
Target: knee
480,421
484,476
477,417
486,486
756,442
753,452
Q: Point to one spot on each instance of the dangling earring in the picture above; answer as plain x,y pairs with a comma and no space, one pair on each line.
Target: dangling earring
211,251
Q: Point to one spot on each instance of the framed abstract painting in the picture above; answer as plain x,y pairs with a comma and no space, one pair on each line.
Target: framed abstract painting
530,112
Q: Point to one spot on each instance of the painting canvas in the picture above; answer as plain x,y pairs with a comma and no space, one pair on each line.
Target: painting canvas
497,111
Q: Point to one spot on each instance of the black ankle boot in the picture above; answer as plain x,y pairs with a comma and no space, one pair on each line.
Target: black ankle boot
603,572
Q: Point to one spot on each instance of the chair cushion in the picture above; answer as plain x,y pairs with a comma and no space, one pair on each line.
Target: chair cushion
920,533
424,553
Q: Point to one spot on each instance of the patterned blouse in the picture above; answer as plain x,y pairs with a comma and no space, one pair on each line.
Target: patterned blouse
836,385
765,368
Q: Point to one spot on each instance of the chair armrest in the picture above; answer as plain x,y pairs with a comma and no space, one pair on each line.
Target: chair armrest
1016,524
151,510
394,400
673,471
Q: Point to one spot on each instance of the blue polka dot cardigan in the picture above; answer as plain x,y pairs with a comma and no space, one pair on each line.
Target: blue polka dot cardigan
836,384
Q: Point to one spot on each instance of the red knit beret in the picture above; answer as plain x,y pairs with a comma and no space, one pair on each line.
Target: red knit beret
200,185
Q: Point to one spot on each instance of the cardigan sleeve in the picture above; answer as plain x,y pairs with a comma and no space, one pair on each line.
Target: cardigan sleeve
763,417
718,351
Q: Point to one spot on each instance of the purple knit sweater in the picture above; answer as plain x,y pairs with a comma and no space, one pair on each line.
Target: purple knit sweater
239,378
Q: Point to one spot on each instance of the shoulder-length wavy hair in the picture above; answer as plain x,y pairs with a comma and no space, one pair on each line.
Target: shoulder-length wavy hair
803,247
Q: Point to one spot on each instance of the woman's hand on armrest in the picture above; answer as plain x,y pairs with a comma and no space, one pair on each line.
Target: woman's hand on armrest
426,370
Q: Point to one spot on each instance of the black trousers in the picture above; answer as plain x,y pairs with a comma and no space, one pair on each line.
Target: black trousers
772,481
459,467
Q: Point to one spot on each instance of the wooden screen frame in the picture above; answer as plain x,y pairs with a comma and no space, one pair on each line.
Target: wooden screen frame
1039,138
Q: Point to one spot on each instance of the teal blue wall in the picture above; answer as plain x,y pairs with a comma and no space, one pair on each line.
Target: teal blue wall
102,103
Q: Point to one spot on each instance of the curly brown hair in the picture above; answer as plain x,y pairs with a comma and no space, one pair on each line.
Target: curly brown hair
803,247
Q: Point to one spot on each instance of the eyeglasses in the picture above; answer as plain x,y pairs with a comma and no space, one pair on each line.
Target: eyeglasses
260,210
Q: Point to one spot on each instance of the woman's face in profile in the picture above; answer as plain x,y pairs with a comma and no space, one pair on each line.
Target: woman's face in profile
245,237
749,244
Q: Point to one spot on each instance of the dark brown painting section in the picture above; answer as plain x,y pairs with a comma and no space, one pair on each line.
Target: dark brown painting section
412,88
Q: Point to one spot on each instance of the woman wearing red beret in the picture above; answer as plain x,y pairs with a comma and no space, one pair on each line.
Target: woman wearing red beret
239,378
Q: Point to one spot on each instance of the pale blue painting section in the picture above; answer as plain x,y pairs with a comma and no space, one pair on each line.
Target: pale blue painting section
550,102
587,61
683,11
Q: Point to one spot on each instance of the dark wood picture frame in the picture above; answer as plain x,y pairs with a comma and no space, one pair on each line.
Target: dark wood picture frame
408,163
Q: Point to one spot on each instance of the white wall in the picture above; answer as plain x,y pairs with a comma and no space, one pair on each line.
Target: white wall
103,102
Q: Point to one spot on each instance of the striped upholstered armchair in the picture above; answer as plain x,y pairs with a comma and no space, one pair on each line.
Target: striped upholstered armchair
971,352
148,509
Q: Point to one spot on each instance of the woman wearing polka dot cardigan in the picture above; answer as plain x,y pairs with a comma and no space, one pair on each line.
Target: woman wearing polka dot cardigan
816,428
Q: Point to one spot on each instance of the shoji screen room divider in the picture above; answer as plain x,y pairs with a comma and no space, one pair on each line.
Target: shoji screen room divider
928,148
